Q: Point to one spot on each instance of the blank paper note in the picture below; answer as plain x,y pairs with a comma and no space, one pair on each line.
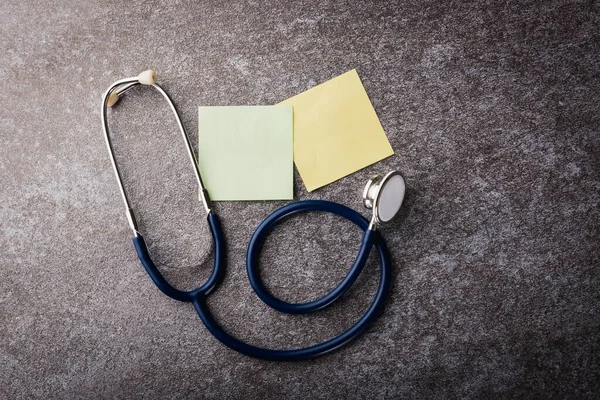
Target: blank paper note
336,131
246,153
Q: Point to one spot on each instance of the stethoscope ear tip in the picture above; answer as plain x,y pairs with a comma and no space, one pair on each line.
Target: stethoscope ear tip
147,77
113,98
384,195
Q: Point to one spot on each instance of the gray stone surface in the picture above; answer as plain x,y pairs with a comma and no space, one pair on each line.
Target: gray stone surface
493,109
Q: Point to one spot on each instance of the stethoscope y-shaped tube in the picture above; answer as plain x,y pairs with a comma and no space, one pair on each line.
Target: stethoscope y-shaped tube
374,198
198,296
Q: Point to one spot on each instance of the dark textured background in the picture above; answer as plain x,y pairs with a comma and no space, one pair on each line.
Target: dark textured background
493,109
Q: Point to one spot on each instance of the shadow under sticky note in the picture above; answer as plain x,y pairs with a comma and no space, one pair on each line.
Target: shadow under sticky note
336,131
246,153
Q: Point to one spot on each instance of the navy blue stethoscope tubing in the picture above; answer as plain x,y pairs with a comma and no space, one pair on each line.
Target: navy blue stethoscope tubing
197,297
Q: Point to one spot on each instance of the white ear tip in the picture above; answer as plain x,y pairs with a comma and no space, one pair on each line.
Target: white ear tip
147,77
112,99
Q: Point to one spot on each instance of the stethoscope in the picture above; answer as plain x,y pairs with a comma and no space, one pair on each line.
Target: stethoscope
384,195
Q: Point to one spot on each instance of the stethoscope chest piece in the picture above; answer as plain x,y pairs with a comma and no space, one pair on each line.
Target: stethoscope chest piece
384,196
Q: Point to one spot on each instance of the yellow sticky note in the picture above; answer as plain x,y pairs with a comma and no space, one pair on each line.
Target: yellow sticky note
336,131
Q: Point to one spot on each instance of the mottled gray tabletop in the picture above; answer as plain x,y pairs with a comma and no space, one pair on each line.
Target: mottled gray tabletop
492,108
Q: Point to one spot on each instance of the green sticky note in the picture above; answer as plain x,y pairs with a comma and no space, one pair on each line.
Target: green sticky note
246,153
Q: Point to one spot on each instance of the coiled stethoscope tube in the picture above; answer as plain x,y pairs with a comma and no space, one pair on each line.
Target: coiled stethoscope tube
384,202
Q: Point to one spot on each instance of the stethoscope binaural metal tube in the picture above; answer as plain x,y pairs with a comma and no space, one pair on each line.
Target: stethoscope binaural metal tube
110,98
378,196
111,152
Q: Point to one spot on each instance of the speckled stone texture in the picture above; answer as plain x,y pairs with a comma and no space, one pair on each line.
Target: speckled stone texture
493,109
